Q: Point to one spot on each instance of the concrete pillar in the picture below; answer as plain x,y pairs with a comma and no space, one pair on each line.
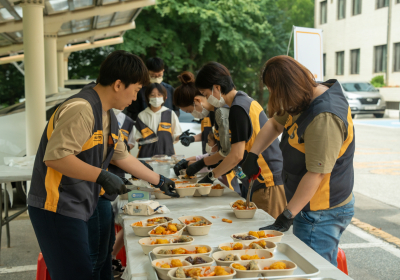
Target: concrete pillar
66,67
60,67
50,55
35,98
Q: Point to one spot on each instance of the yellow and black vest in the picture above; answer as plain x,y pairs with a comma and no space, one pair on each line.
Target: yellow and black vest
64,195
206,127
337,185
164,145
270,160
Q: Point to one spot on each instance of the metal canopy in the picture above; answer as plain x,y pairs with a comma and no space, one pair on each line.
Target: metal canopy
70,17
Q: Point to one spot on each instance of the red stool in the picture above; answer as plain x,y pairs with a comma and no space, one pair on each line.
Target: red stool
122,253
42,273
342,262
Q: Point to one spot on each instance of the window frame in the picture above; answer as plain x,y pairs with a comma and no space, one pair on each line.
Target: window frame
396,53
354,5
337,63
338,9
383,66
358,61
324,62
382,4
320,12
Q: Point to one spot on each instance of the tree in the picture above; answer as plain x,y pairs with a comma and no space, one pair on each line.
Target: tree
11,85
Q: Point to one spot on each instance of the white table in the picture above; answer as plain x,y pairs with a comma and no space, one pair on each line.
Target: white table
138,264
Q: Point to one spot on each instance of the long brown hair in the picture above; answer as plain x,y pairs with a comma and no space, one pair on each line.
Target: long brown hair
290,85
185,93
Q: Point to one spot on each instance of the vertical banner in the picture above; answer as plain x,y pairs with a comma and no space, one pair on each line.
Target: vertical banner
308,50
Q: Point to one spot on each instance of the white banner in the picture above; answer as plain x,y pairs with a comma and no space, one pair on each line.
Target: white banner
308,50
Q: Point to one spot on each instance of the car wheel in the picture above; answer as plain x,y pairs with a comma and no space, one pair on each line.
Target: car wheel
353,115
379,116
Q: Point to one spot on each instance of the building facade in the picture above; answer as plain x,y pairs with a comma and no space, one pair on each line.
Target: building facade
355,39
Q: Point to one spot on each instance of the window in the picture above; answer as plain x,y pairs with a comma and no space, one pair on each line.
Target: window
396,59
340,63
357,7
382,3
324,66
323,12
355,61
341,9
380,59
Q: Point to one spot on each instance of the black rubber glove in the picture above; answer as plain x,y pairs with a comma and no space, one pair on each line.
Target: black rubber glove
195,167
186,140
111,183
146,164
250,165
205,180
281,224
167,186
182,164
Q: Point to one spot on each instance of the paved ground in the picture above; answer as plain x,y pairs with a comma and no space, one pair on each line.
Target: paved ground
377,214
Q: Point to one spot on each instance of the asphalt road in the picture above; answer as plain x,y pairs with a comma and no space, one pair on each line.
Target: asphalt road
372,253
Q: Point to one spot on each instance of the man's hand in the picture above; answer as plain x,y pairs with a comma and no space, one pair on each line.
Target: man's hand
250,166
281,224
195,167
167,186
111,183
182,164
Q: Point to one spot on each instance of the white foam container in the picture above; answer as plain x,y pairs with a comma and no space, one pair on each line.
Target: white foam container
177,234
147,247
187,247
245,214
196,230
251,252
271,246
216,192
277,238
144,230
171,274
163,272
291,266
182,191
205,189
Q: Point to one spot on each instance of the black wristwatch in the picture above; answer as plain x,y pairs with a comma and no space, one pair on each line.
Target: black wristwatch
211,176
288,215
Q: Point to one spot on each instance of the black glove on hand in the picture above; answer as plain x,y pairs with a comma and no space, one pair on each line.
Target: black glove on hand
146,164
167,186
195,167
205,180
281,224
186,140
111,183
182,164
250,165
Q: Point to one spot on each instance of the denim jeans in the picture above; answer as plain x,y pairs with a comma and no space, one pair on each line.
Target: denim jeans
321,230
101,240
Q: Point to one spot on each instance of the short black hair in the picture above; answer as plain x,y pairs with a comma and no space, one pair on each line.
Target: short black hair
214,73
124,66
155,64
150,88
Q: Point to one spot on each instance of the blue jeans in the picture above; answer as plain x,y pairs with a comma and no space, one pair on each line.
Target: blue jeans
101,240
321,230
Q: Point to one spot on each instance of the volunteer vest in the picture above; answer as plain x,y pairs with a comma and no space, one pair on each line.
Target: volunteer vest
270,160
337,185
206,127
64,195
164,145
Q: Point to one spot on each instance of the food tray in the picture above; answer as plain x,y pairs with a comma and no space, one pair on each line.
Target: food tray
305,269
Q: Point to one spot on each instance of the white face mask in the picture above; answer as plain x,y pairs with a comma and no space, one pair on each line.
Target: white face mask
200,115
209,149
156,80
214,101
116,111
156,101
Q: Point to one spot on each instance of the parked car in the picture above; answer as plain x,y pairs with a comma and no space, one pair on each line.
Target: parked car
364,98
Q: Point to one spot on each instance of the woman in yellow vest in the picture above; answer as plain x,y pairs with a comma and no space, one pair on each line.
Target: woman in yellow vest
318,148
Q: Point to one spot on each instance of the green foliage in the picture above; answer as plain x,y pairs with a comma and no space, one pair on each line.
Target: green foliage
11,85
378,81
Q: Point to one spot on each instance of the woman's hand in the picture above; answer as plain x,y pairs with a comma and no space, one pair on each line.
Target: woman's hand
182,164
195,167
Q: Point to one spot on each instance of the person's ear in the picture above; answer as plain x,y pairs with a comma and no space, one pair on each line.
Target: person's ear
217,87
118,85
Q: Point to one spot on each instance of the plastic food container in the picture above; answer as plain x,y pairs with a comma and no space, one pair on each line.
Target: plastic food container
251,252
177,158
216,192
196,230
290,268
277,238
176,246
204,189
148,247
162,168
177,234
232,272
183,191
244,214
270,246
144,230
163,272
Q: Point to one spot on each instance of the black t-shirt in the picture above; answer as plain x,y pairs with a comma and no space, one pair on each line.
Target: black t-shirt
239,124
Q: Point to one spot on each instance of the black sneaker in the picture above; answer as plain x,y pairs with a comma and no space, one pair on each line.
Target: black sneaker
117,268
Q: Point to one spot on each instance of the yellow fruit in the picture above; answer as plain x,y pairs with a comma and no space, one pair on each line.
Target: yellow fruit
278,265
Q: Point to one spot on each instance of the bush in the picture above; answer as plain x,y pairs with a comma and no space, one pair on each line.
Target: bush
378,81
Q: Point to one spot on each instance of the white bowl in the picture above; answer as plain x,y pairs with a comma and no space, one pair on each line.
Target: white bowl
204,189
184,191
177,234
245,214
251,252
216,192
196,230
171,274
148,247
163,272
144,230
277,238
161,195
187,247
270,246
291,266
